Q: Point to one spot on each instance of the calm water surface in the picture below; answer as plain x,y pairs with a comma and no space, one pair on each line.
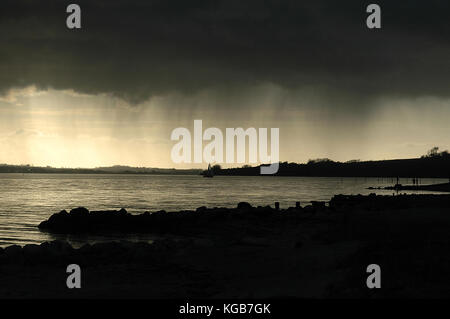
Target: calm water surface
28,199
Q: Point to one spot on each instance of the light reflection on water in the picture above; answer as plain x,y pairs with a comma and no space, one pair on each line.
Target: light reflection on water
28,199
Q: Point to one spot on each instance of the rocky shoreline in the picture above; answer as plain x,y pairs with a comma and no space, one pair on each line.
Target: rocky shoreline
203,219
317,251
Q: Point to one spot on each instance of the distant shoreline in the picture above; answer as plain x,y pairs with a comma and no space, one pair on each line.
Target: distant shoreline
199,174
118,170
99,173
436,166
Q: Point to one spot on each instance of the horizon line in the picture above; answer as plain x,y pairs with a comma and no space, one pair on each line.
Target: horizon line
194,168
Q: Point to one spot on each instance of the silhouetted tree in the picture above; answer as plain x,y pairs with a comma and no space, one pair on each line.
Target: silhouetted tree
319,160
433,152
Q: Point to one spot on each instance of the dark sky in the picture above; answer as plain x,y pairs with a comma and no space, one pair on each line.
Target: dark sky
138,69
135,49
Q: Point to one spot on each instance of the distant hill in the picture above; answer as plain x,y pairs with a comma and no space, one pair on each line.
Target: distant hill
4,168
437,166
434,164
120,169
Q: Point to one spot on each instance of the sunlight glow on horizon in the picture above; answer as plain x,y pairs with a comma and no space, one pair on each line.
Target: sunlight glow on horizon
67,129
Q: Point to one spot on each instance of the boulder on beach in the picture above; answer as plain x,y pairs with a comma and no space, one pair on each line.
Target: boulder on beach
318,204
79,212
60,252
203,219
13,251
32,250
201,209
244,206
59,219
81,219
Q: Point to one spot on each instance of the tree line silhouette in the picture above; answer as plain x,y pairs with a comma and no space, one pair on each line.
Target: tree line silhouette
434,164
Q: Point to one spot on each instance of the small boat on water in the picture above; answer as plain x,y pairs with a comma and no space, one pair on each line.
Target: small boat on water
209,172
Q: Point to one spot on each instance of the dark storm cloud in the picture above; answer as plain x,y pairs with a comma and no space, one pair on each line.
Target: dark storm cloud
137,49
